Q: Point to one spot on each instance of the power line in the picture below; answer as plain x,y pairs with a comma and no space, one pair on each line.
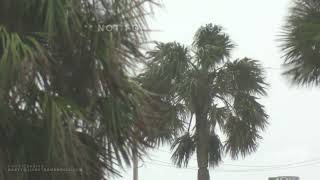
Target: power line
271,169
166,164
291,165
266,167
275,165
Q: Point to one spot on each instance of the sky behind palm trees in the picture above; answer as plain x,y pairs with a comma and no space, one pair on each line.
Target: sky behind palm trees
293,133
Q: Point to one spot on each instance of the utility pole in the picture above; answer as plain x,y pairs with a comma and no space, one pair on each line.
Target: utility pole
135,163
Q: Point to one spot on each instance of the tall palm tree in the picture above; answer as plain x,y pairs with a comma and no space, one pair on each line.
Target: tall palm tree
66,97
301,43
219,94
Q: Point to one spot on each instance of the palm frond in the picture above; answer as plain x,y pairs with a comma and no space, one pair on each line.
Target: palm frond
251,111
243,128
243,75
218,116
242,139
183,148
215,150
65,92
212,46
300,43
167,66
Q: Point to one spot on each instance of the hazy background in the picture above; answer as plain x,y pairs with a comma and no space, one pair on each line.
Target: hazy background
293,134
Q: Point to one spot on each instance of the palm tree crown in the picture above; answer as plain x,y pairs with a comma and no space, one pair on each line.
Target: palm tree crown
301,43
66,99
219,94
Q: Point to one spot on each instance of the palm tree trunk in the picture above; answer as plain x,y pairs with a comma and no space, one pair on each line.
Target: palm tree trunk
202,131
202,101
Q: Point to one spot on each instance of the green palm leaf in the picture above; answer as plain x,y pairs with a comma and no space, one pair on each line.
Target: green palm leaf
66,97
300,43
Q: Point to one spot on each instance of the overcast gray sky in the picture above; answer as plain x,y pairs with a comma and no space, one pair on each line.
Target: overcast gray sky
254,25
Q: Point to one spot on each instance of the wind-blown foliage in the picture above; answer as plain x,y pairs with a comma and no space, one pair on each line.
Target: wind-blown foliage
301,43
66,99
217,93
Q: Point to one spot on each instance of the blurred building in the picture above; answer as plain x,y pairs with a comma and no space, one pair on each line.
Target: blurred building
285,178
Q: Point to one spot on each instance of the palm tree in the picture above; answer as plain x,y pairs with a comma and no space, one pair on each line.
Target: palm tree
301,43
219,94
66,97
